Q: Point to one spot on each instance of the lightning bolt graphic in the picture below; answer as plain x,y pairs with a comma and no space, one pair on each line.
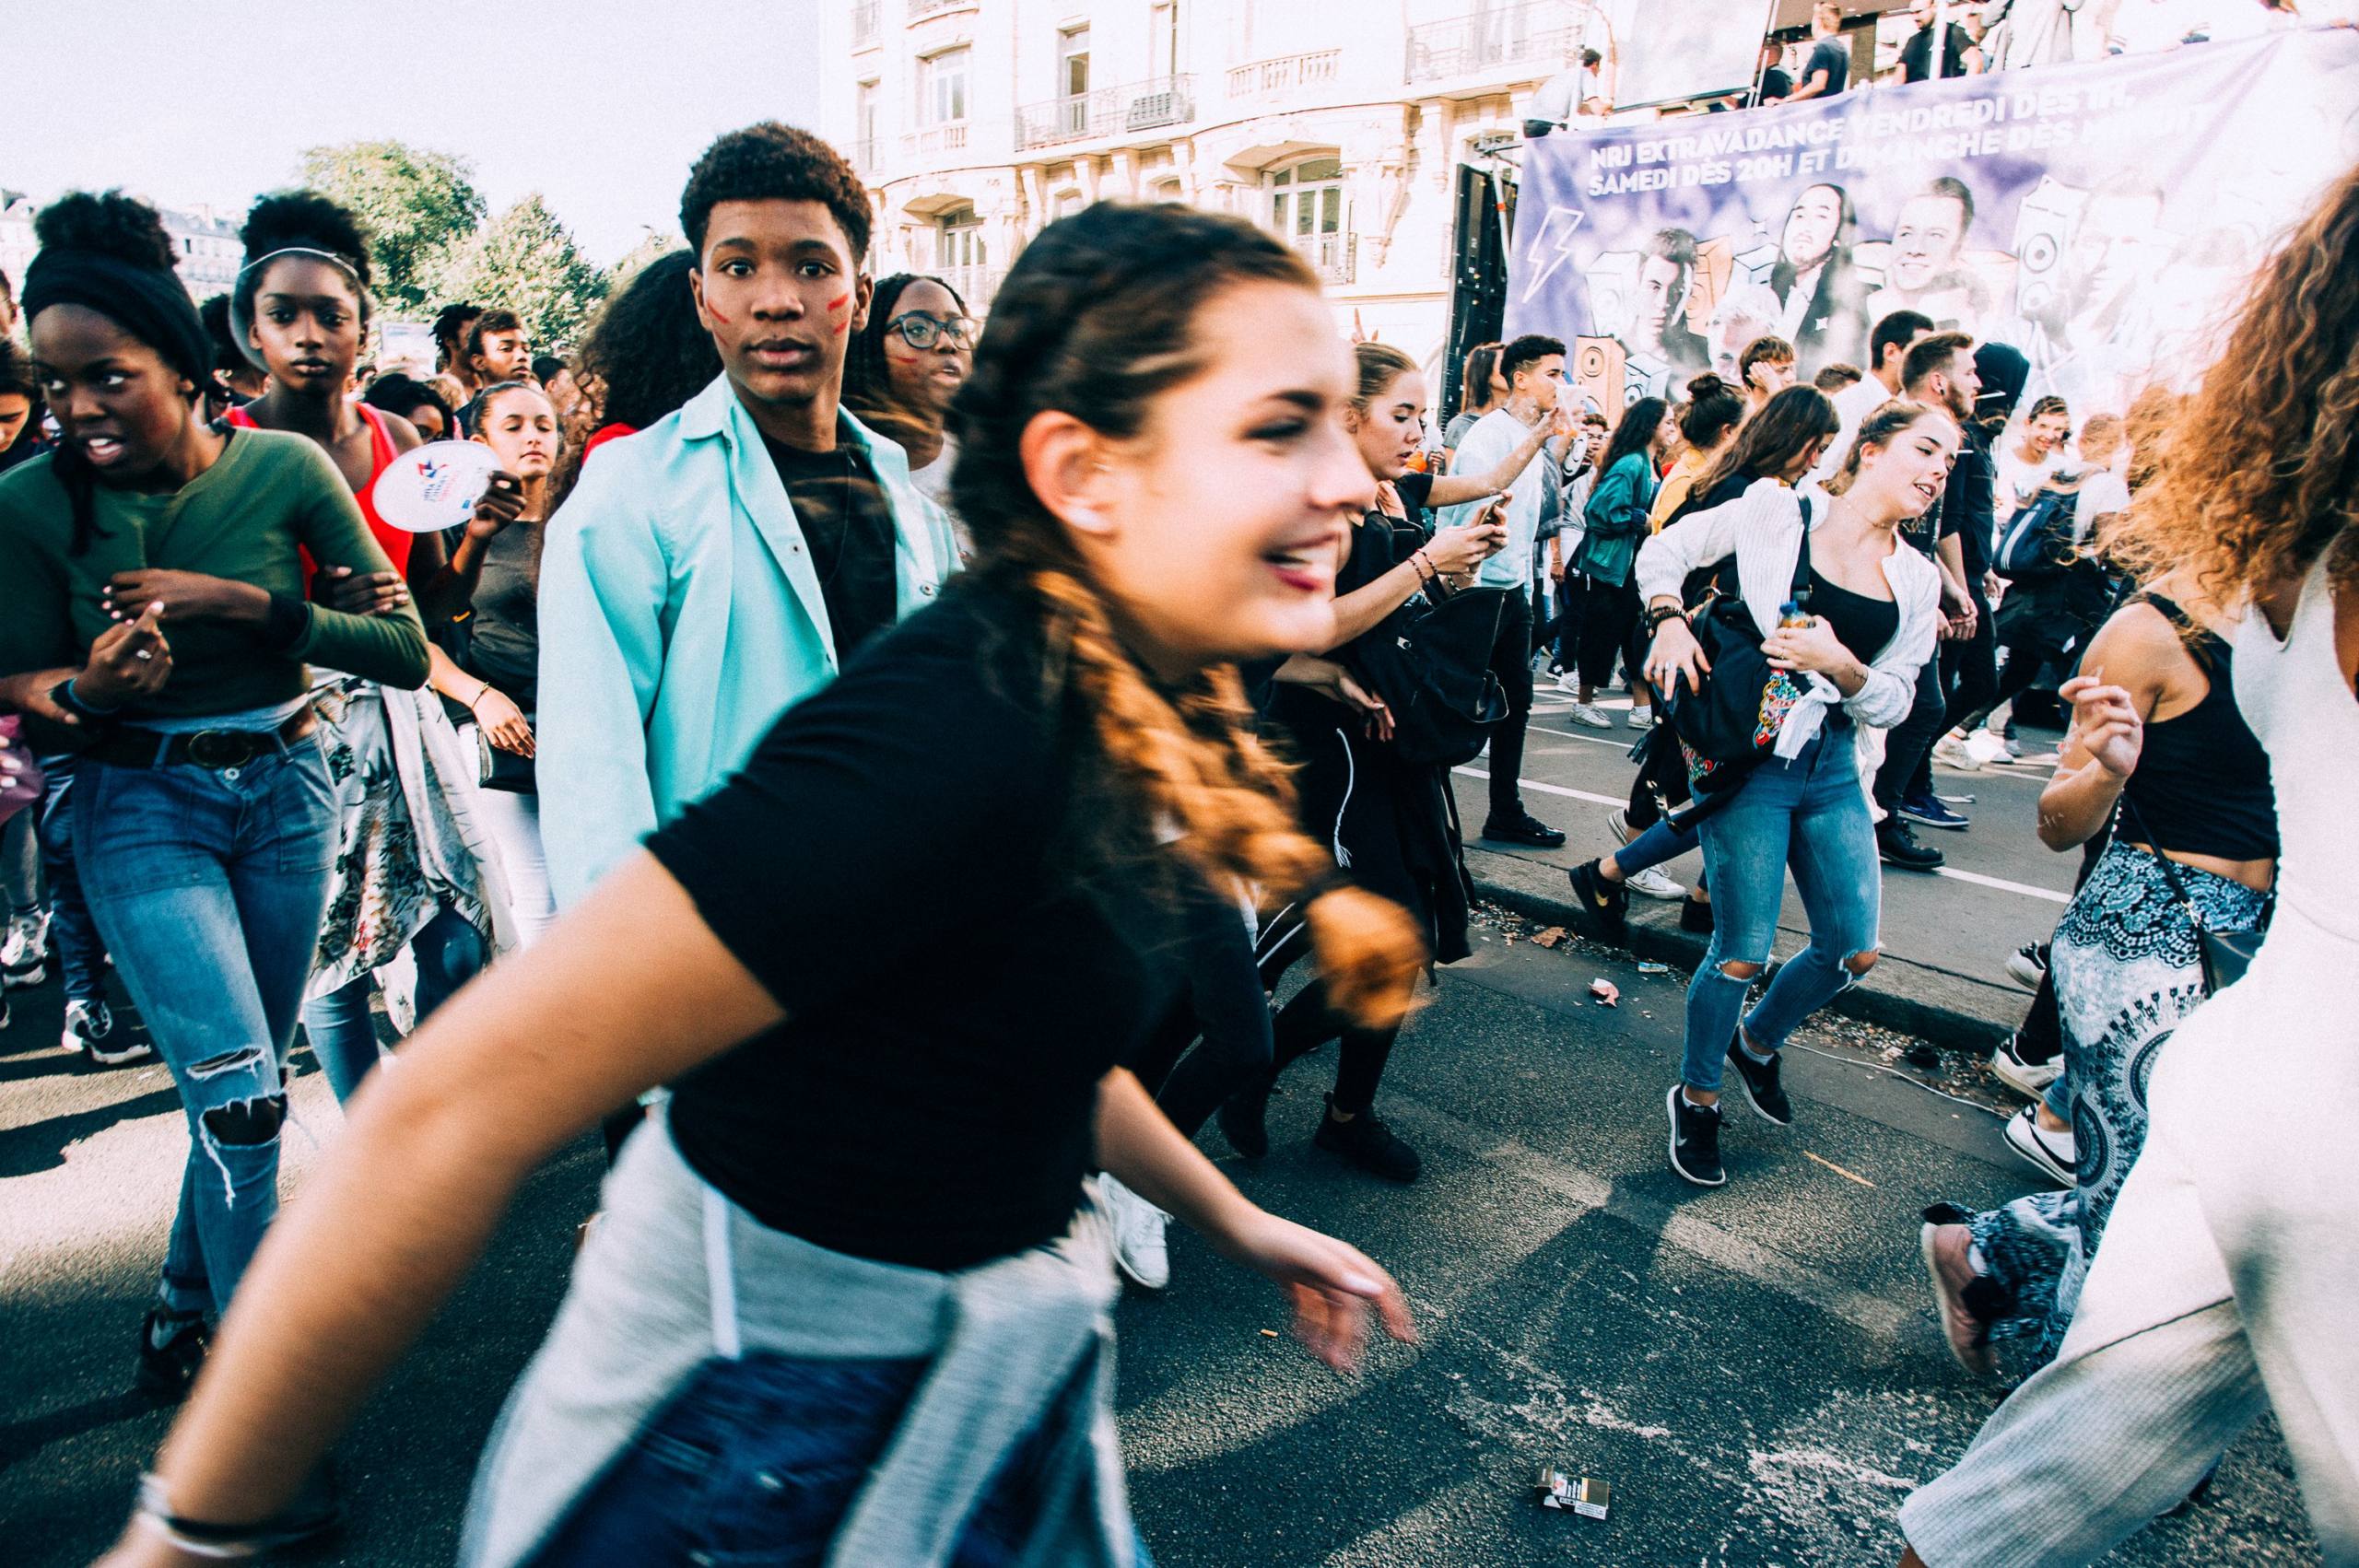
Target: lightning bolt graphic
1552,247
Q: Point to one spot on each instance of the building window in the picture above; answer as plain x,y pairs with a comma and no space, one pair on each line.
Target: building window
864,111
959,241
1064,203
1307,211
942,88
1167,191
1163,39
1072,81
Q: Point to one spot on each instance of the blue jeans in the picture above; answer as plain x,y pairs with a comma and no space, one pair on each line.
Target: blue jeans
80,954
343,1034
208,887
1810,815
755,1460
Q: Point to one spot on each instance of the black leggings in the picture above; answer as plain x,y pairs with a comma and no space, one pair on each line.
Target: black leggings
1225,1014
1307,1023
1608,613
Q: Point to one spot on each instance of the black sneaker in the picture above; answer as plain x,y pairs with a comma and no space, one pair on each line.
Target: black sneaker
1604,906
1695,916
1522,828
1370,1144
1694,1141
1896,846
172,1351
1244,1117
1759,1081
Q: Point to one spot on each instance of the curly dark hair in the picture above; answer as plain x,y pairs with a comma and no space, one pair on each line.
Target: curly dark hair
868,386
305,221
403,395
645,351
215,313
109,223
450,325
774,162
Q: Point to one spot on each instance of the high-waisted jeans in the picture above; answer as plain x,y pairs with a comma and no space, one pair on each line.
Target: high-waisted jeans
208,886
1807,815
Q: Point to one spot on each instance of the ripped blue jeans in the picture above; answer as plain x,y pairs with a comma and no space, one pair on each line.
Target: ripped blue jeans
1807,815
208,886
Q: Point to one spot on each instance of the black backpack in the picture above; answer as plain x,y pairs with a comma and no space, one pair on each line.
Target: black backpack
2038,540
1431,665
1729,726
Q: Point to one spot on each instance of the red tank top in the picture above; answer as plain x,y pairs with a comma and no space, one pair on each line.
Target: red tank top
393,541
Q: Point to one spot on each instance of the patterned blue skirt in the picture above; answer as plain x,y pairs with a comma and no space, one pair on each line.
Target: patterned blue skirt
2126,969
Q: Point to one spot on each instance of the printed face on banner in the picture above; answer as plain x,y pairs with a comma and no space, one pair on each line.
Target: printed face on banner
2100,217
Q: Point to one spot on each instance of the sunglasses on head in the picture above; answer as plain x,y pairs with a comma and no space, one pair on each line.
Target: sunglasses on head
920,329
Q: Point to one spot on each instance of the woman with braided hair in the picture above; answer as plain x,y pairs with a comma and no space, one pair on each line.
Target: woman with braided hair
881,1316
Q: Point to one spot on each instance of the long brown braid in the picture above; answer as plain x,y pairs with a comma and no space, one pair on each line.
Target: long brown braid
1095,320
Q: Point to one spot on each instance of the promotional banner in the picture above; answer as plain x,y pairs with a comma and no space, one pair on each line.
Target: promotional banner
2099,217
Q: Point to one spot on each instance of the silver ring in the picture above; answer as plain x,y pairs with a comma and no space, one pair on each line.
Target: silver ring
144,653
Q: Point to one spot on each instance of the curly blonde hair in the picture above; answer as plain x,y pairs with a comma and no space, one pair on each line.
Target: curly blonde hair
2256,475
1096,320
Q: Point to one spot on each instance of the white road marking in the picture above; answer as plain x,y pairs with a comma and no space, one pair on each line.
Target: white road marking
2046,895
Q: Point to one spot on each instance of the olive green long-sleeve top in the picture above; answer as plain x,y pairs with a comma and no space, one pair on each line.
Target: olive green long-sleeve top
268,495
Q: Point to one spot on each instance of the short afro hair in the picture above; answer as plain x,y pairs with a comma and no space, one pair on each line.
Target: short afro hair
1529,349
109,223
302,220
498,320
770,162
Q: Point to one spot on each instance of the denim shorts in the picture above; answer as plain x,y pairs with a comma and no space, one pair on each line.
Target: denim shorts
754,1463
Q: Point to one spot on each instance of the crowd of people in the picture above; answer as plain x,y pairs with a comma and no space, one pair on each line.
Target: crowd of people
1119,654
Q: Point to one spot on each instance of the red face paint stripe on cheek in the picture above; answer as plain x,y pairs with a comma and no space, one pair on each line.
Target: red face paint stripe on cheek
839,301
711,309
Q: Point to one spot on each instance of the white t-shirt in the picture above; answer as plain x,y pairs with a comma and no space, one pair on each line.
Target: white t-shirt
2103,494
2021,479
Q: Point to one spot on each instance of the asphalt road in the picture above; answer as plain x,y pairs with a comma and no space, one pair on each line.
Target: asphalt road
1755,1370
2000,888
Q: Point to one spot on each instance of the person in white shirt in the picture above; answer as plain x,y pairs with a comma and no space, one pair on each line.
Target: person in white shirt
2034,458
1888,348
1534,368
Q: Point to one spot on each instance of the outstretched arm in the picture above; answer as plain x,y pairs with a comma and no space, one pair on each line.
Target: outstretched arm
494,1083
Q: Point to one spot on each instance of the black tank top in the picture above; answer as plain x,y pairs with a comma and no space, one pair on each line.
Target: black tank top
2201,785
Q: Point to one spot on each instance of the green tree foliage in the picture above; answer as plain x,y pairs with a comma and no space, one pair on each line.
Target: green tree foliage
526,261
651,246
416,203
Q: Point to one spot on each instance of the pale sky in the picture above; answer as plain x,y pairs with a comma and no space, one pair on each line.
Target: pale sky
600,105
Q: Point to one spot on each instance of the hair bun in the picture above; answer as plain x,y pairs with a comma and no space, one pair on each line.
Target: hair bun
306,220
1703,386
108,223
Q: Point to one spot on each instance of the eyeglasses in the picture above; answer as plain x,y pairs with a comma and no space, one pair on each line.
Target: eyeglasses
920,329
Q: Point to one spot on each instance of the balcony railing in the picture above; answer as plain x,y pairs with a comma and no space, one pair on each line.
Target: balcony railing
1107,112
863,23
1543,35
935,140
865,154
1286,73
928,8
1335,257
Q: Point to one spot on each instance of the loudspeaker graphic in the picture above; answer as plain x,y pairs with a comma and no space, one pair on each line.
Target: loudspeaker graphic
1613,292
1597,370
1644,376
1755,262
1714,271
2043,225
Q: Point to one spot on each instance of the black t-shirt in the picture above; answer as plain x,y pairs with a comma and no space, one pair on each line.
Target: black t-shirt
1860,623
1833,56
1969,505
897,866
1775,84
845,518
1916,54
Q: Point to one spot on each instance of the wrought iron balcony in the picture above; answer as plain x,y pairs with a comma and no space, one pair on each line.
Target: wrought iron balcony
1107,112
863,23
1335,257
1286,73
974,286
1542,35
935,139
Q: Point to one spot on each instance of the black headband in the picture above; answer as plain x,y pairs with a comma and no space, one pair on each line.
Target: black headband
147,302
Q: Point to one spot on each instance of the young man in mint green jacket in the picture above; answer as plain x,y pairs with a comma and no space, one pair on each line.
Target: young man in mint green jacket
716,568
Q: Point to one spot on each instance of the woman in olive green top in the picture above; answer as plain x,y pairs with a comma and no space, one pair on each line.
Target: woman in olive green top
203,819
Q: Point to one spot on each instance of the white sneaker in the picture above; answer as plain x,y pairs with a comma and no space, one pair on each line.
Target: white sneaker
1617,823
1641,717
1654,884
1589,713
1569,684
1949,751
1139,1226
2051,1153
2029,1078
90,1029
24,952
